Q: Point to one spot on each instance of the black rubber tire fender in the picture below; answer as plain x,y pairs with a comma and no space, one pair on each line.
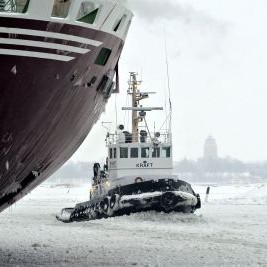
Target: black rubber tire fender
138,179
198,205
168,199
105,204
113,201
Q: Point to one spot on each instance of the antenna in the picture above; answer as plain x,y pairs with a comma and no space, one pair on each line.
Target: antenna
116,110
168,77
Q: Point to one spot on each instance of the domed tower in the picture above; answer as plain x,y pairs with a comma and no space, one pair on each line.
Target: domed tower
210,148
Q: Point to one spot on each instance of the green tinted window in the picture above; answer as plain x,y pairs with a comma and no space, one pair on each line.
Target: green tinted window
14,6
90,17
103,56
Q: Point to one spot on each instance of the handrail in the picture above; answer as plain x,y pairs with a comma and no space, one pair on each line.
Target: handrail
120,138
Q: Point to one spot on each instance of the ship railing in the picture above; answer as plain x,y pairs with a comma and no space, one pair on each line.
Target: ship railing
14,6
154,138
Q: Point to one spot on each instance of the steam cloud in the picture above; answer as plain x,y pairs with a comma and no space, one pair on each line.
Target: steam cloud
152,10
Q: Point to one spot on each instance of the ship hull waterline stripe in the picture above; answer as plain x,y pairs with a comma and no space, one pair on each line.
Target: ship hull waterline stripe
22,53
44,45
61,36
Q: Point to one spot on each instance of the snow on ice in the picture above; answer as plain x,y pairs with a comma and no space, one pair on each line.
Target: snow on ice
229,230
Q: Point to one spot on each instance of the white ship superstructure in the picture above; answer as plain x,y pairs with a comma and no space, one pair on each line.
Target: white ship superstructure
139,154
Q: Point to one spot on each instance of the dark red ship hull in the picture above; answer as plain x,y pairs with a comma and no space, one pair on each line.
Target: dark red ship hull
47,107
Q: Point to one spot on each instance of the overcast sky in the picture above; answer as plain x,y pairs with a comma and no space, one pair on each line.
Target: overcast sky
218,63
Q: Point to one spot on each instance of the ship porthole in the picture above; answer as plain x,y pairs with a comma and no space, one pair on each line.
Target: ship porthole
138,180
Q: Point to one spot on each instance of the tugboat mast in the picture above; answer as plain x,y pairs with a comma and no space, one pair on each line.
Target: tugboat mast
133,88
137,96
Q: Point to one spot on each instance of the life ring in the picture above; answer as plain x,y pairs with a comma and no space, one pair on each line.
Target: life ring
138,180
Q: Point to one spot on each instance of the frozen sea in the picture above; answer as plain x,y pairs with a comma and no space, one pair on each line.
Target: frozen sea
229,230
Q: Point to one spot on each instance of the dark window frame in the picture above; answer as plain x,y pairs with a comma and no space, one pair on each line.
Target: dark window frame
156,152
133,153
146,154
123,154
103,56
167,153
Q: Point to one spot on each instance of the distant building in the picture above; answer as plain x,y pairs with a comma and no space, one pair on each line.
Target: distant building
210,148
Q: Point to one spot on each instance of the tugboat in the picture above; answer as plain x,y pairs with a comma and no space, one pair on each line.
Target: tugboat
58,68
137,175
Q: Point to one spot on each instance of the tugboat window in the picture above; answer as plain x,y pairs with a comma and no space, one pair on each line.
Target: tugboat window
124,152
110,153
115,153
166,152
145,152
14,6
155,152
134,152
103,57
61,8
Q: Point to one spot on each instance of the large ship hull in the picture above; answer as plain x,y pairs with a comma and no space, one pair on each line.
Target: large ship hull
49,99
